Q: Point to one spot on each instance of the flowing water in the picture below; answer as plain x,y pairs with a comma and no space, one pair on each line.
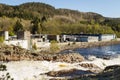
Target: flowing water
100,51
112,50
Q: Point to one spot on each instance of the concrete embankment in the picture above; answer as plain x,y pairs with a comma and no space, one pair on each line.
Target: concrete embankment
73,45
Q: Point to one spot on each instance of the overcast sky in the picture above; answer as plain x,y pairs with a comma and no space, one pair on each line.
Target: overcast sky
108,8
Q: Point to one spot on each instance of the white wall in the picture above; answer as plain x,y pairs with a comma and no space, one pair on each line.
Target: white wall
40,44
107,37
43,44
21,43
88,39
92,39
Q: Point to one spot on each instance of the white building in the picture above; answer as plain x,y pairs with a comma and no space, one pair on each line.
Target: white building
17,42
87,39
21,43
40,40
40,44
107,37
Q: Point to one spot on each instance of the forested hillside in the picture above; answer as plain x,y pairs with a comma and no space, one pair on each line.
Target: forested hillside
44,18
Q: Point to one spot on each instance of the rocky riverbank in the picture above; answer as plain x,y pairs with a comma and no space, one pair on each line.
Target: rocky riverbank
14,53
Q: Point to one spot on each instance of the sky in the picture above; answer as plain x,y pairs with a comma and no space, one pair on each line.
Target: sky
107,8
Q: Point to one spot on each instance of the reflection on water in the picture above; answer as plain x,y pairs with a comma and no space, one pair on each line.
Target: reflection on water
112,50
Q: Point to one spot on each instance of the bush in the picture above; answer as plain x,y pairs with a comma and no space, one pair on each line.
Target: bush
34,46
54,46
11,33
1,39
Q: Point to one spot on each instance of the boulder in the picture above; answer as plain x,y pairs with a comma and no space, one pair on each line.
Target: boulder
70,58
111,68
68,73
87,65
92,67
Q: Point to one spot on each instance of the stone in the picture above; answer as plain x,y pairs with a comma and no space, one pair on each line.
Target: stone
111,67
92,67
68,74
70,58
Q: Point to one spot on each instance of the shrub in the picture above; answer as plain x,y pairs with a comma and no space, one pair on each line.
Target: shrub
34,46
1,39
54,46
11,33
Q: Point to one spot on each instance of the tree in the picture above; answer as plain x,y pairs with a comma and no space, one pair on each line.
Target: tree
38,25
11,32
18,26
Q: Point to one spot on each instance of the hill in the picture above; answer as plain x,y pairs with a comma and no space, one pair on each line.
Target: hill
31,10
60,20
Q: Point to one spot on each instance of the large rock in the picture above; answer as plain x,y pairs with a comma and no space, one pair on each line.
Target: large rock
111,68
70,58
92,67
72,73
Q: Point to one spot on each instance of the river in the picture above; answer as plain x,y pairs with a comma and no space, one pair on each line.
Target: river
112,50
100,51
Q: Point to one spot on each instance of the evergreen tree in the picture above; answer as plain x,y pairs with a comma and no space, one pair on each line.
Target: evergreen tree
38,25
18,26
